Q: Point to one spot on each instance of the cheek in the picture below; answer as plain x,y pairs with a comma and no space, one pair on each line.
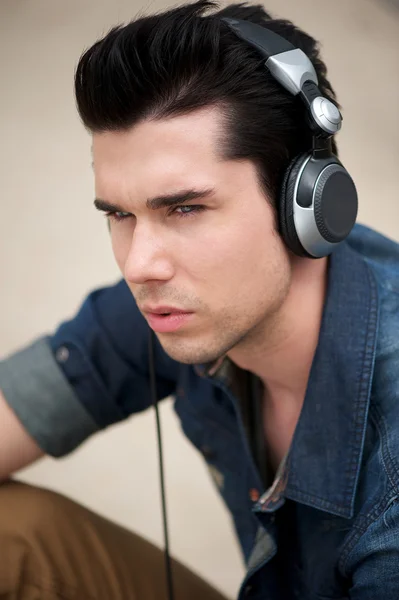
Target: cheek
247,264
222,256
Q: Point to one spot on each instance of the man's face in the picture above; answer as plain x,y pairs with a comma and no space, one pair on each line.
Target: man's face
224,263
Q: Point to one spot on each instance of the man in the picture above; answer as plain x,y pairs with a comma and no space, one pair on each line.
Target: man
192,136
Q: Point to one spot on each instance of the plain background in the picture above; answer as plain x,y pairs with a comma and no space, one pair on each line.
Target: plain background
54,247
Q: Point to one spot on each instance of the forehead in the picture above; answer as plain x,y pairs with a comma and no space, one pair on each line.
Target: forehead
157,155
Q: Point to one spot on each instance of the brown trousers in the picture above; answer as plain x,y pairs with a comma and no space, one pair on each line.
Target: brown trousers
54,549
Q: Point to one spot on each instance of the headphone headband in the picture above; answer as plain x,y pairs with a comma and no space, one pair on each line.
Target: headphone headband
293,70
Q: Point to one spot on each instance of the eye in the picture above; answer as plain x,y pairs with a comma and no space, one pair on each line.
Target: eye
184,210
117,215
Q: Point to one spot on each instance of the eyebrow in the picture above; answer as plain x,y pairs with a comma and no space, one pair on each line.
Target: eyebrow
158,202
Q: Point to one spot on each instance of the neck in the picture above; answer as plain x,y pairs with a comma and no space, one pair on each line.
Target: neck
281,350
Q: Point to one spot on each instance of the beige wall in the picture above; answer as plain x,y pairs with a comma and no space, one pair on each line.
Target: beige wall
54,247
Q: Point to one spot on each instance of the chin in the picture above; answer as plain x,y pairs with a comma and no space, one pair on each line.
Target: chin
189,354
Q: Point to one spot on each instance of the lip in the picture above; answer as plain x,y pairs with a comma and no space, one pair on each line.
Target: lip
158,310
167,324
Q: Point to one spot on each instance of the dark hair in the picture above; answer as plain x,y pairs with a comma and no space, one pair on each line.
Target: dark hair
180,60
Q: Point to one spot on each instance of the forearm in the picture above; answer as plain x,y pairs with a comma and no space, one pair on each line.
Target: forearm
17,448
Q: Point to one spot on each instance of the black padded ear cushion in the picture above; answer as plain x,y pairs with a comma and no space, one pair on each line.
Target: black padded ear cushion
286,206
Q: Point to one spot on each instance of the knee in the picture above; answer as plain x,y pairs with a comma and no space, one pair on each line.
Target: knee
30,522
26,510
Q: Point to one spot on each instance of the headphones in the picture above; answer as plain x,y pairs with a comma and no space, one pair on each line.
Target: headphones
318,199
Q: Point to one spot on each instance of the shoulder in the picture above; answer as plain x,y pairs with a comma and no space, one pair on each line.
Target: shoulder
382,257
381,254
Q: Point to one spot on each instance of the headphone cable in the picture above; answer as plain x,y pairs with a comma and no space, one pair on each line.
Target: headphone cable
168,564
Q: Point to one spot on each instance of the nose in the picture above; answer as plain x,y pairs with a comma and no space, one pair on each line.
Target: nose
147,259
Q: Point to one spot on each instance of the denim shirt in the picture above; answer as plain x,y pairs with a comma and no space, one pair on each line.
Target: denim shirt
328,526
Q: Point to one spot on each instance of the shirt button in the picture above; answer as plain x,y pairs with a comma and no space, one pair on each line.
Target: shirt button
247,590
62,354
254,494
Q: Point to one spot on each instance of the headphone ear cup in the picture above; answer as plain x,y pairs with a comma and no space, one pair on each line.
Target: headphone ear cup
286,206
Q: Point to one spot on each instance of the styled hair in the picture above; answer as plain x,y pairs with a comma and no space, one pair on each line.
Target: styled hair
184,59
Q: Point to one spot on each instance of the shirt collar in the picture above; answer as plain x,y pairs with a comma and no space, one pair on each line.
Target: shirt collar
325,456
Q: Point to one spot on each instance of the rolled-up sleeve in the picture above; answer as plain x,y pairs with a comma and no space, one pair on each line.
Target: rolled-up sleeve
91,373
40,395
